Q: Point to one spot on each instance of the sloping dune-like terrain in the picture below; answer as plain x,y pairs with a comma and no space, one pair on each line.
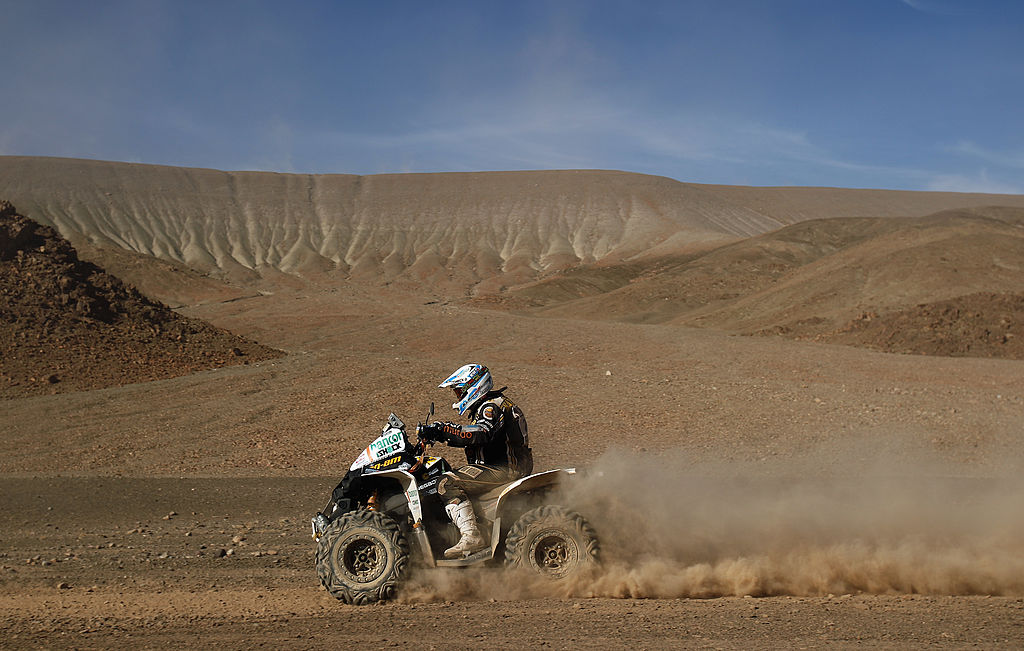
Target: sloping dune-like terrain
813,278
797,411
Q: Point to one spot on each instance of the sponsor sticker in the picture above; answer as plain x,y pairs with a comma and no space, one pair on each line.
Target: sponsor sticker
385,463
386,445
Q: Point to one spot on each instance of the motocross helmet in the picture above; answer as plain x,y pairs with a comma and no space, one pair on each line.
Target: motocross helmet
471,383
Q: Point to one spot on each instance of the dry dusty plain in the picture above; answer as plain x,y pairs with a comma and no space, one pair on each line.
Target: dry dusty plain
754,482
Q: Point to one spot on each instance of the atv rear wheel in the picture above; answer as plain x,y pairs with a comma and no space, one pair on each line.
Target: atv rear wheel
362,557
553,541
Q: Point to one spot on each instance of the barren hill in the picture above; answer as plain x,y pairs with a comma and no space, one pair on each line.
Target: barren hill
886,266
819,268
483,231
801,262
898,285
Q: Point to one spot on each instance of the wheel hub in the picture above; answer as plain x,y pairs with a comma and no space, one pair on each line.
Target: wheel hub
554,554
363,560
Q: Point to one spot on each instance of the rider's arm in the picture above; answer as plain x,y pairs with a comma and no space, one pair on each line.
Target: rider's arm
488,422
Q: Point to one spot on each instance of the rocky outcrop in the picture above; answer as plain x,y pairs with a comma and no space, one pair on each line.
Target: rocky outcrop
66,323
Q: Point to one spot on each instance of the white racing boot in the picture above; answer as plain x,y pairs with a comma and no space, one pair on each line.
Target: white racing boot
464,518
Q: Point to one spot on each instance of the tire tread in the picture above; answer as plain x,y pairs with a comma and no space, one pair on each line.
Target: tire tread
548,514
394,537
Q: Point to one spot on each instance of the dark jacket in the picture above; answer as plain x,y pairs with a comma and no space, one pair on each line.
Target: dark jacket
498,435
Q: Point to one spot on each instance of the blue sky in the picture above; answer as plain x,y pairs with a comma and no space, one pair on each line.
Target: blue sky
908,94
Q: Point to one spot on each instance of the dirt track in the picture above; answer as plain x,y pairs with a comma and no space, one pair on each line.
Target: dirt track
99,563
757,406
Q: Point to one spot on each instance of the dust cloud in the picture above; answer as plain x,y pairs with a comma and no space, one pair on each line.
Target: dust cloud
671,529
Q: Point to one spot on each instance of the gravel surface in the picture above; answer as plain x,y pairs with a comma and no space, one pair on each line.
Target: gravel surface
133,563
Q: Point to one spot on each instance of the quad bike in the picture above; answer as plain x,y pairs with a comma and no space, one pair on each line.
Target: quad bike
385,516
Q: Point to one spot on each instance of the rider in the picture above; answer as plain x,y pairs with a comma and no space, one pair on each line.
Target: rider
497,449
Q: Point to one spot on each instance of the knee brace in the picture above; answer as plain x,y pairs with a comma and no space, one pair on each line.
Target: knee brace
449,491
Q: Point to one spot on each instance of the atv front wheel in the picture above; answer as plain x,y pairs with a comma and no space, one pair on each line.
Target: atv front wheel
362,557
552,541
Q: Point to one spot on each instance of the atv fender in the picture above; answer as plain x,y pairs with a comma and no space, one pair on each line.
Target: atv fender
491,504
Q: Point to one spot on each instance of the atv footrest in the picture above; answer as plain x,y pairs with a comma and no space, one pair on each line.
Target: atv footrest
472,559
484,554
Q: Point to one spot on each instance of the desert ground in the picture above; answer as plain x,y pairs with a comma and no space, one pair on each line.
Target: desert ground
797,412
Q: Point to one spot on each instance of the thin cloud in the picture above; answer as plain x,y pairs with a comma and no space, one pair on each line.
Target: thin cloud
980,182
936,7
586,133
1008,159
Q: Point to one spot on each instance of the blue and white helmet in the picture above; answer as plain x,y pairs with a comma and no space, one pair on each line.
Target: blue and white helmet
471,383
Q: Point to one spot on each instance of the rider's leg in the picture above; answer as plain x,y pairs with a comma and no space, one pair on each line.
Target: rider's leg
462,515
455,489
460,509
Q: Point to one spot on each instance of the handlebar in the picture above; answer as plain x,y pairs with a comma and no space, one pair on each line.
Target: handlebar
420,448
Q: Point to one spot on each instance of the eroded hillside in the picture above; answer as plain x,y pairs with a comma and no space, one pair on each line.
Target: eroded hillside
452,232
